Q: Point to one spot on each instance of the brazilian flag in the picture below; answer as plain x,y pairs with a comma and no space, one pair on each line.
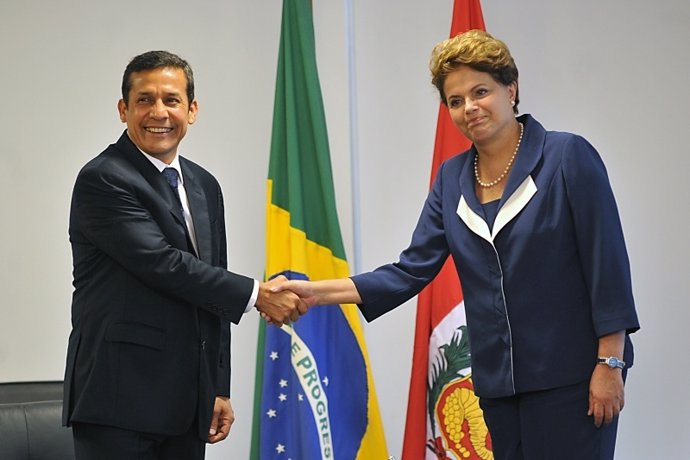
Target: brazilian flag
314,396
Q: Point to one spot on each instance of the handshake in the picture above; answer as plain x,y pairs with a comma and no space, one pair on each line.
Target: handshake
282,301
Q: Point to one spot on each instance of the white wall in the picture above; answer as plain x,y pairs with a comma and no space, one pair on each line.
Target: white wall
612,70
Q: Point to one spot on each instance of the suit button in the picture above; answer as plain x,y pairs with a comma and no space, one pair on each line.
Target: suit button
203,344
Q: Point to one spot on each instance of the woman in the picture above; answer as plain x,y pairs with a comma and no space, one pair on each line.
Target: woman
533,227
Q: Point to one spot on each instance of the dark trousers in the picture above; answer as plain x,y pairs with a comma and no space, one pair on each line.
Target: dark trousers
98,442
547,425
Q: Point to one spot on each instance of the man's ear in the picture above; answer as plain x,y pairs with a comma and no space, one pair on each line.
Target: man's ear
122,109
193,110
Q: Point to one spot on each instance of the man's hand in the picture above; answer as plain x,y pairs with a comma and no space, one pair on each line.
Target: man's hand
279,307
311,293
304,289
223,418
606,394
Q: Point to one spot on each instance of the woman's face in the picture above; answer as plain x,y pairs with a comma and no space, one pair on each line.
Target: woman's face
479,106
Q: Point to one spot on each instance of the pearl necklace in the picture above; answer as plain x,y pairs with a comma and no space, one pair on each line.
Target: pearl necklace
505,171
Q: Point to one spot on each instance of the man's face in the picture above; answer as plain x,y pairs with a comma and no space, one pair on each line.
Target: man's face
157,111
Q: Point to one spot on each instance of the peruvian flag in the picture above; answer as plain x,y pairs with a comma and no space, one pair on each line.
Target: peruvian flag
444,420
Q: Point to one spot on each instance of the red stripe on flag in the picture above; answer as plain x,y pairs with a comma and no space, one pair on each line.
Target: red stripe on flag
444,293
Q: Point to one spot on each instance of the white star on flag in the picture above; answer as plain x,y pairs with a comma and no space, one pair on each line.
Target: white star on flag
300,397
273,355
282,397
325,381
283,383
280,448
271,413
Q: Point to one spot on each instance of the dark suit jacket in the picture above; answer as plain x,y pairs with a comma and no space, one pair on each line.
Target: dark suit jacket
540,286
150,342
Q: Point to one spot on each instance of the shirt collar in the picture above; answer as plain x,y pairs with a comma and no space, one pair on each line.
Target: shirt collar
160,166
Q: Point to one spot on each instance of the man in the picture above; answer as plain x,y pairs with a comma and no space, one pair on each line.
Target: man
148,362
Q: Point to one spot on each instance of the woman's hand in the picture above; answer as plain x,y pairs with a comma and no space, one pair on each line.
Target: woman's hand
606,394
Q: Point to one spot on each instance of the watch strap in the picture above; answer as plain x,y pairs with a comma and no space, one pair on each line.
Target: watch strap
611,361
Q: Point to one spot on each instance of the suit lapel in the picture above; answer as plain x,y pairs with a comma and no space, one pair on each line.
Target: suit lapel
199,208
514,204
469,209
473,220
520,187
155,179
151,175
529,156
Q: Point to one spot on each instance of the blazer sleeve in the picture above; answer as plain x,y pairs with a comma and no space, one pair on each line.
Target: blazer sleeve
224,362
116,216
393,284
599,236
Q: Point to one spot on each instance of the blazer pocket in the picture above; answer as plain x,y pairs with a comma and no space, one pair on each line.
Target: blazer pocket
136,333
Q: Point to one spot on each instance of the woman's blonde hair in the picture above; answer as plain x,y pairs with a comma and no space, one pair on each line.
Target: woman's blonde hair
475,49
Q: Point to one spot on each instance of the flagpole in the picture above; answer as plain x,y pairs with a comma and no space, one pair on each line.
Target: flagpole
354,138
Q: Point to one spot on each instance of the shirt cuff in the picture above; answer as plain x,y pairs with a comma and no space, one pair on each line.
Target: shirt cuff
253,297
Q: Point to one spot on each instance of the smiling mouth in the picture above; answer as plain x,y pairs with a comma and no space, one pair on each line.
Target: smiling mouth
474,122
158,130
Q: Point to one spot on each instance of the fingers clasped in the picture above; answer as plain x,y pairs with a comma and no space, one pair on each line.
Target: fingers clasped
277,304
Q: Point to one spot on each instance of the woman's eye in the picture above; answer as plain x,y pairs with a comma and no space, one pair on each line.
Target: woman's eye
455,103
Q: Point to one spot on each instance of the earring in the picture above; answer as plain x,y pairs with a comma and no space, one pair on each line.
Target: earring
512,103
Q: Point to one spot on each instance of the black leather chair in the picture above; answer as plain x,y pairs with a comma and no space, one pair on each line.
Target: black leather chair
31,422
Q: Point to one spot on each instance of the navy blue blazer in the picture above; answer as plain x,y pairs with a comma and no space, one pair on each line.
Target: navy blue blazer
150,343
543,284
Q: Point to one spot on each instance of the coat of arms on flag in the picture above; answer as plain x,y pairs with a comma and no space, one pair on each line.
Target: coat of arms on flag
457,422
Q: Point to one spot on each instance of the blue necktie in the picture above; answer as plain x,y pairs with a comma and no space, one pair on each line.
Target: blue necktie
171,176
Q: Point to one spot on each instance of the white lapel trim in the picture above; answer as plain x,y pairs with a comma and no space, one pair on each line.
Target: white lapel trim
473,220
513,205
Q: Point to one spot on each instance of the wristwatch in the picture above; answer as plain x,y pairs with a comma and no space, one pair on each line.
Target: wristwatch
611,361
